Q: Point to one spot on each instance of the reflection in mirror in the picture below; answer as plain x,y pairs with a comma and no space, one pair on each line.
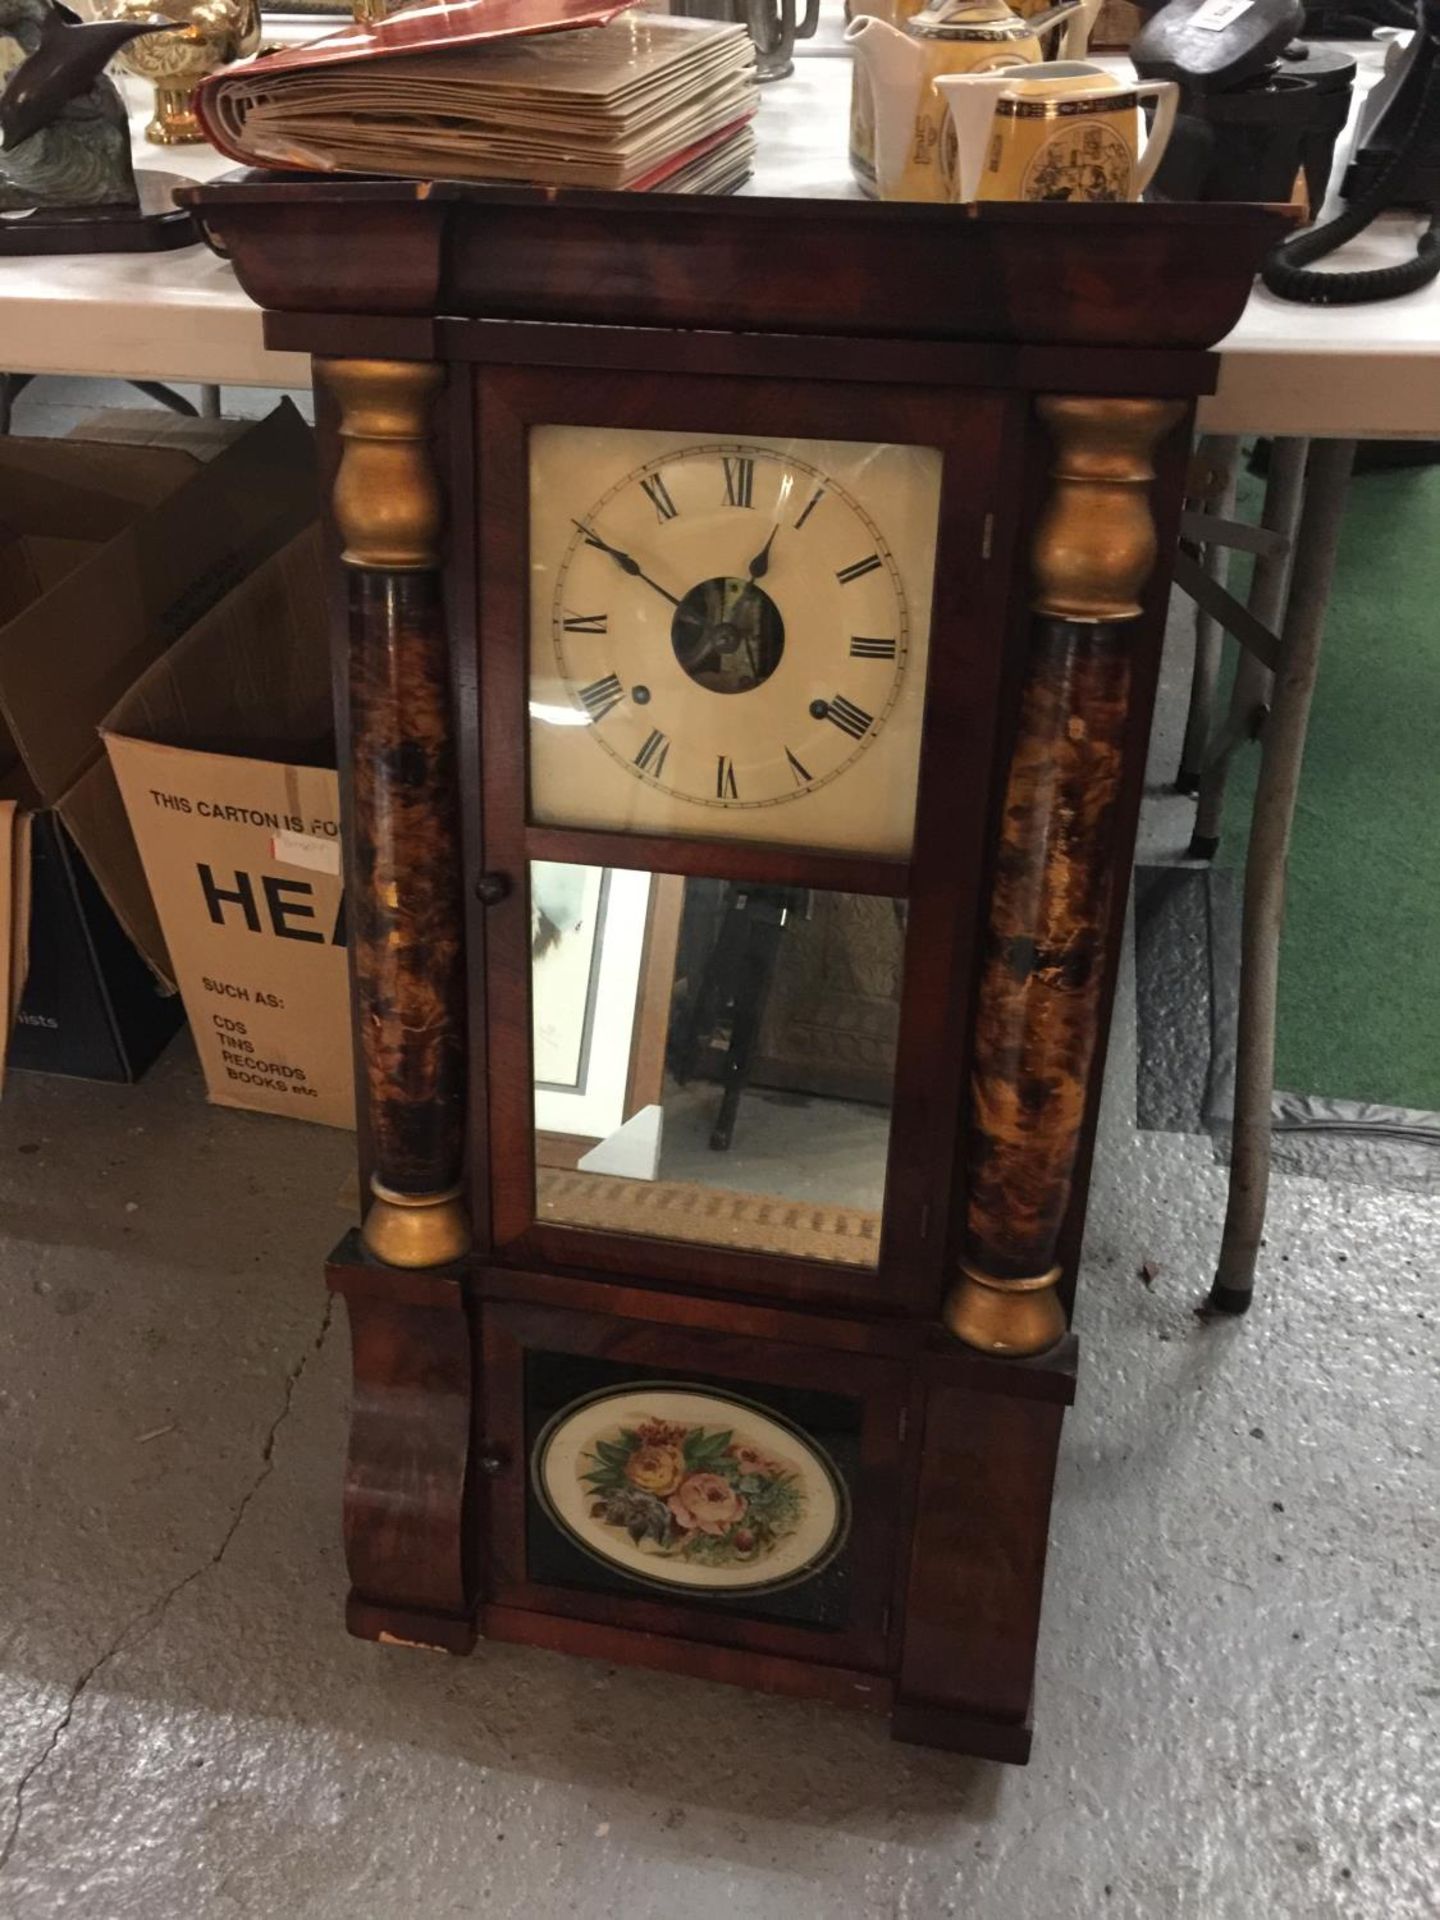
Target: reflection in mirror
714,1061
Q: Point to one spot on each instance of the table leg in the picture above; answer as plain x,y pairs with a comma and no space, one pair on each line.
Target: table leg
1219,454
1250,692
1282,751
166,396
12,385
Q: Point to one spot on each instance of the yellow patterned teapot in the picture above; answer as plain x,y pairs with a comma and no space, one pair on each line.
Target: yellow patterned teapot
899,65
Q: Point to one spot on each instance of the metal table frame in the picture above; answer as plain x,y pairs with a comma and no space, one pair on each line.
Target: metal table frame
1279,630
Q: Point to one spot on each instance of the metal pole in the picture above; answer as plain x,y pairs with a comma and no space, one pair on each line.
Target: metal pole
1250,690
1220,453
1281,754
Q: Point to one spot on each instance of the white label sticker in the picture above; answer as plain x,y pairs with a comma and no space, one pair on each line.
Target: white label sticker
313,850
1216,14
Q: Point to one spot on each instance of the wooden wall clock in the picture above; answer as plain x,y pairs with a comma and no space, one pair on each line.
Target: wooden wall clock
832,604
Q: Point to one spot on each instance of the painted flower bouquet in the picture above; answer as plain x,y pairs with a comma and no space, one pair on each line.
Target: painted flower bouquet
692,1492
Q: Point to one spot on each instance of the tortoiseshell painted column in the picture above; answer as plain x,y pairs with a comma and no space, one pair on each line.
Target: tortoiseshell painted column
404,857
1056,868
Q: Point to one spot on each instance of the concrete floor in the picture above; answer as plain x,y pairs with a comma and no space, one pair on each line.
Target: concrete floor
830,1151
1237,1699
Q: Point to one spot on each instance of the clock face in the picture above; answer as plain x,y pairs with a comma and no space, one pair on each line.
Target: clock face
729,637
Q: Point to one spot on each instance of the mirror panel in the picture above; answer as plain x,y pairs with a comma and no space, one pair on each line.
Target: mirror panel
714,1061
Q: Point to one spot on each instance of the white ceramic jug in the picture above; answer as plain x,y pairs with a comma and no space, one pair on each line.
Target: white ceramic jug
1061,130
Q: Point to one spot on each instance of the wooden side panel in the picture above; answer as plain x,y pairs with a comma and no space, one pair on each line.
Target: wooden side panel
977,1568
405,1477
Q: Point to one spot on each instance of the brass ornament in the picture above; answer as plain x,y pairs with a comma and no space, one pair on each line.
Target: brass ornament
1015,1318
416,1229
387,497
1095,544
207,34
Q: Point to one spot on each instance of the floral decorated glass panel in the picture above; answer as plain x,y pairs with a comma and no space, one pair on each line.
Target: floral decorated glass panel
714,1062
686,1489
737,1494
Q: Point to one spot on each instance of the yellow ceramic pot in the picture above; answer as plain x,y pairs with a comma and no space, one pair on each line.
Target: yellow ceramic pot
900,65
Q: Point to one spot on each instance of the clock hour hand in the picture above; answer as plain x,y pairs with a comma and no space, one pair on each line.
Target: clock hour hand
761,563
624,562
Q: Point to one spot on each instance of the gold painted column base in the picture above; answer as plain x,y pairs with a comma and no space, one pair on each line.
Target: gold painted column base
1014,1317
416,1229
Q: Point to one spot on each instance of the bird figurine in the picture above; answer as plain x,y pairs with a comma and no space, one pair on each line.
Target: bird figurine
64,131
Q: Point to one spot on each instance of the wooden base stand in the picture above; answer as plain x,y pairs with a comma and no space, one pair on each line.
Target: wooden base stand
951,1514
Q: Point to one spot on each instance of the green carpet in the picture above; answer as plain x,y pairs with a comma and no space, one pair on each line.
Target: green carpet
1359,1012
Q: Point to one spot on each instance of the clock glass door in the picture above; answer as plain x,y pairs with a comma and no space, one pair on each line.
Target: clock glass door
733,805
728,636
713,1059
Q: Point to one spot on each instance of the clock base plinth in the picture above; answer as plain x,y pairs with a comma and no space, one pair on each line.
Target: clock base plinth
927,1610
392,1626
920,1724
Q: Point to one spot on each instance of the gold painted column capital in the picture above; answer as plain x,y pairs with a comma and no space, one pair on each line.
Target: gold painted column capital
1094,547
387,498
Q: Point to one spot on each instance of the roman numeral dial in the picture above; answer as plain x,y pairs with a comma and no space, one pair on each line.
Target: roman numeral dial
739,480
726,634
654,751
602,696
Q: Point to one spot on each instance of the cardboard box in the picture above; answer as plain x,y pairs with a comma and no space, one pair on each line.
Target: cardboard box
107,554
14,915
223,752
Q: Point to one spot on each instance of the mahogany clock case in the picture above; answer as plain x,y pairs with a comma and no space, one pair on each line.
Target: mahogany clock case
934,1606
927,1465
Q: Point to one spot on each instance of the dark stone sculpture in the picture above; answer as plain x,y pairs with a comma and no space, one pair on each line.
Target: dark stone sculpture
64,131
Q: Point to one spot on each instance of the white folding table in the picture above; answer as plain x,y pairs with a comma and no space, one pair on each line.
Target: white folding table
1359,372
1302,374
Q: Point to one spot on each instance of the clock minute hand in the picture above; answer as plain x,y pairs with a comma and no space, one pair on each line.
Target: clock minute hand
761,563
624,562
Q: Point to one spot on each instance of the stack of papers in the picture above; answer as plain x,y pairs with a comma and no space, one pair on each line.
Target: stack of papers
645,103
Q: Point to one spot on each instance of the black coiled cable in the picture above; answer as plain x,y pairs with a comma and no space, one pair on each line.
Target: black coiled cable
1285,271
